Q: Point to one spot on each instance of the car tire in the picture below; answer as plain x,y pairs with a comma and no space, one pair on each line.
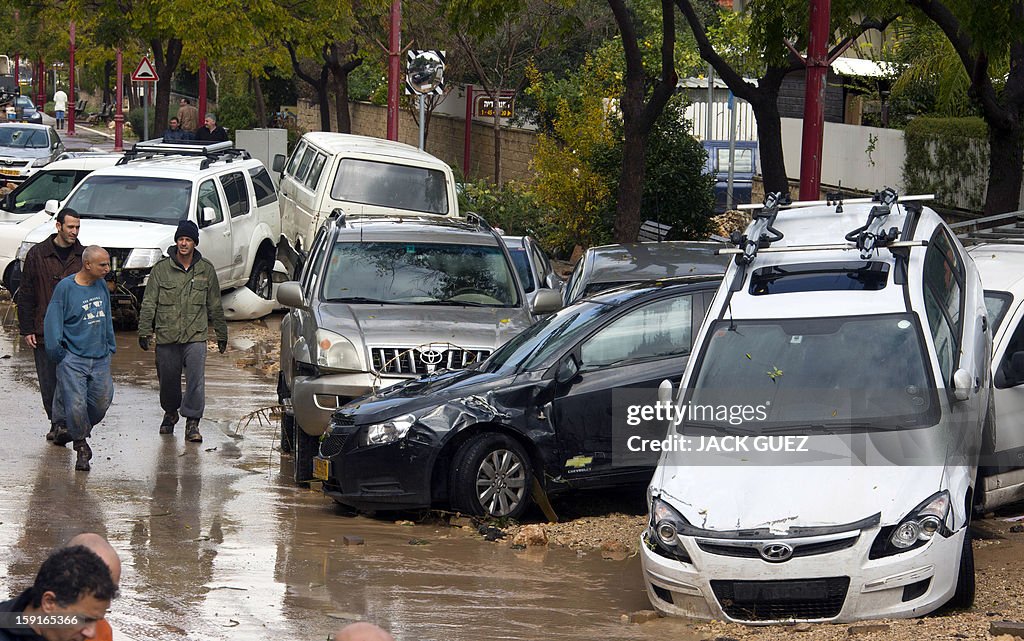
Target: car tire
963,598
287,433
491,476
261,280
306,447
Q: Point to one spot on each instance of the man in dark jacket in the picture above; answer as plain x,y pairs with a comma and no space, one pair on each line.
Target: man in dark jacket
211,131
182,300
47,264
71,594
174,133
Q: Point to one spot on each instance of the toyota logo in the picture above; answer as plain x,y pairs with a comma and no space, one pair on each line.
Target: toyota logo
776,552
430,357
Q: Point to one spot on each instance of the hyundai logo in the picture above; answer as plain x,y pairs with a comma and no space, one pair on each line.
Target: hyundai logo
776,552
430,357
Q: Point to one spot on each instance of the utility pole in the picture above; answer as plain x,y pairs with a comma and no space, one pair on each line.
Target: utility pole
119,107
71,82
202,93
814,100
394,68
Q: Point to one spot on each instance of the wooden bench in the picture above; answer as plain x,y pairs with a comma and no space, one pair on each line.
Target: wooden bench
653,231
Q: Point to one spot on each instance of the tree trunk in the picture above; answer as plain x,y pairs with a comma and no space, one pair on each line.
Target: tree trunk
318,84
166,62
1006,161
261,106
631,185
497,137
769,144
108,70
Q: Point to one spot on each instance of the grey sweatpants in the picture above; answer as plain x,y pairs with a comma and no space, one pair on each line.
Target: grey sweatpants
171,360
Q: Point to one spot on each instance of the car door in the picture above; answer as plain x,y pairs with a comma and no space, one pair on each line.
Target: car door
295,228
238,196
1003,458
215,235
621,363
307,196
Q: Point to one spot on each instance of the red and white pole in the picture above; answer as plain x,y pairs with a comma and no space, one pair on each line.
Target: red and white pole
119,107
394,73
814,101
71,82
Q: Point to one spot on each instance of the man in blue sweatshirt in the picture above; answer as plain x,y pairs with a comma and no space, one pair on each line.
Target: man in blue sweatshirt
78,320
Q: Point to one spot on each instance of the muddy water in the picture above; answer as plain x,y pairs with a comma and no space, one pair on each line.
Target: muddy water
217,543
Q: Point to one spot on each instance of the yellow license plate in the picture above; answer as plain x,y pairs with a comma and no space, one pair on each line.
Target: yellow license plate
10,172
321,468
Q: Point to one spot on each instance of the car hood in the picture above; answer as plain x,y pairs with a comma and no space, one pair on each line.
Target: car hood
414,325
23,153
730,498
117,233
426,395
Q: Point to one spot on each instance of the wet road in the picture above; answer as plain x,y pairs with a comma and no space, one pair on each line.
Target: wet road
217,543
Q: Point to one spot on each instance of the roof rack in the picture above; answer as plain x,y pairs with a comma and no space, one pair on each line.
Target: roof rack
210,152
867,238
1005,228
838,202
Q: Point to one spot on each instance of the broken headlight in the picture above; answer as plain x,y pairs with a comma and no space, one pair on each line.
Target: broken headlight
663,531
917,528
389,431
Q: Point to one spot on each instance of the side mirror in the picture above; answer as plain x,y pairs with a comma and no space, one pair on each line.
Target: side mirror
289,294
555,283
8,202
209,215
665,393
546,301
963,382
277,164
567,369
52,207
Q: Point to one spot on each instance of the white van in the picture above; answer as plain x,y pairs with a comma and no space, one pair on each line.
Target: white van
359,175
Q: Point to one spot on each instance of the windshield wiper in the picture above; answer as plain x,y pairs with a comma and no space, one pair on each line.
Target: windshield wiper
363,299
454,303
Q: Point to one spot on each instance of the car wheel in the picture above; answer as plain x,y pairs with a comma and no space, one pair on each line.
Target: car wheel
287,433
306,448
963,598
261,281
491,476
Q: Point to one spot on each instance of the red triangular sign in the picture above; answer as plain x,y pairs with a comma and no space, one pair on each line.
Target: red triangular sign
145,72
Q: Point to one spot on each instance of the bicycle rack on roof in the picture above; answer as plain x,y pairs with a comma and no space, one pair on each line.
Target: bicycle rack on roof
757,236
871,235
210,152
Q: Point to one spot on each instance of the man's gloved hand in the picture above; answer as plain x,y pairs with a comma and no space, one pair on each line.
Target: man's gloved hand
144,342
222,346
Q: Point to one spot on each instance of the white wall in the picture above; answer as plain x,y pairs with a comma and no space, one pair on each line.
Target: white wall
848,156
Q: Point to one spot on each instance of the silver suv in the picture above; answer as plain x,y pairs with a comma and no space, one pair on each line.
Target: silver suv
383,299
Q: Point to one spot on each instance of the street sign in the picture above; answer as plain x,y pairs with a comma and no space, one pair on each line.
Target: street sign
424,71
145,72
485,106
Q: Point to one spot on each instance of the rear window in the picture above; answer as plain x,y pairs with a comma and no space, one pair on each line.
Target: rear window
819,277
263,186
388,185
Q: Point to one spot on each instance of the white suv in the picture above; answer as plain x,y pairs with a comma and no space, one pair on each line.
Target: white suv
133,208
845,362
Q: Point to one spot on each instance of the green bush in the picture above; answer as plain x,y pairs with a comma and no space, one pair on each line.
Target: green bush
48,108
234,113
947,157
135,119
513,207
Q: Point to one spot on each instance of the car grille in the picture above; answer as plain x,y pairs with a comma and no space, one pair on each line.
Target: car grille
333,445
782,600
415,361
725,548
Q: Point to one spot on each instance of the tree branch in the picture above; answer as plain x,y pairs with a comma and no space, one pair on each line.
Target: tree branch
740,87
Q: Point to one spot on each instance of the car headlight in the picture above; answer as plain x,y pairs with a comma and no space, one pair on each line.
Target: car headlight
23,250
389,431
142,258
663,531
41,162
334,351
914,530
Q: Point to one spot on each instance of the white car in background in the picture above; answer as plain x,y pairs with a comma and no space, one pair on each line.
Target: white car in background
21,210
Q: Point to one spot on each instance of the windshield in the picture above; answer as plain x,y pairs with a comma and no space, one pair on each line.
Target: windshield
419,273
32,195
853,372
23,138
522,262
388,185
155,200
547,337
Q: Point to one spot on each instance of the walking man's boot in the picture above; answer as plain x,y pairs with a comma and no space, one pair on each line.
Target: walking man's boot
61,436
192,434
84,455
167,426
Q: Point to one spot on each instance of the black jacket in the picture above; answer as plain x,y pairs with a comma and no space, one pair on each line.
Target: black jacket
219,134
42,270
18,633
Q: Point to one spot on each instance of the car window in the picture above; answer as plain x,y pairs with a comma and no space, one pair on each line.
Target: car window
303,170
314,172
657,330
1008,375
996,304
521,261
32,195
572,287
743,160
293,162
389,185
236,193
419,273
943,294
307,278
208,198
263,186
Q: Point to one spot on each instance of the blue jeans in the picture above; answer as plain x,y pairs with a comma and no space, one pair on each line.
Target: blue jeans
86,390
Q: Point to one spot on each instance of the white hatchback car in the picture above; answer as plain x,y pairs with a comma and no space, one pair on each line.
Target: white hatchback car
846,365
